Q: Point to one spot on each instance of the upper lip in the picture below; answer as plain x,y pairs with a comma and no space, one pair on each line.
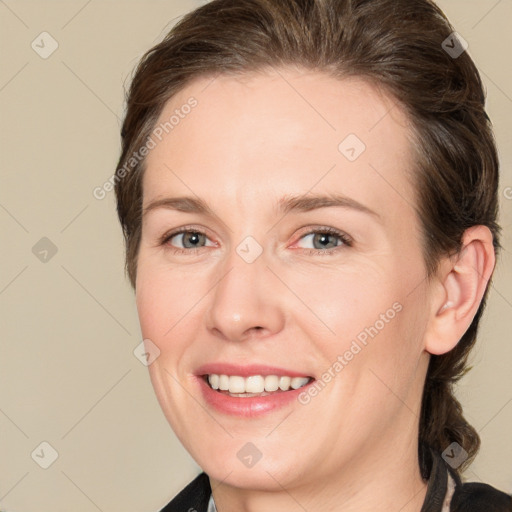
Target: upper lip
246,370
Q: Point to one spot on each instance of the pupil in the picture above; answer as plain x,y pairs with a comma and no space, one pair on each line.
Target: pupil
193,239
325,240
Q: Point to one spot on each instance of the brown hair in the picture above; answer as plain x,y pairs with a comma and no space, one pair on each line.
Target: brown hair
395,44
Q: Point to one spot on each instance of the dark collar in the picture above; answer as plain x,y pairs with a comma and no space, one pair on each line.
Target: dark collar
194,497
437,476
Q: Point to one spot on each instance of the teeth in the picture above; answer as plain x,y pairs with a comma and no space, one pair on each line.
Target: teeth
271,383
284,383
298,382
236,384
254,384
214,381
223,382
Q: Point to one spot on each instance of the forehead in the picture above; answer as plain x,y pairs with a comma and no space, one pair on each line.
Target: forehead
263,135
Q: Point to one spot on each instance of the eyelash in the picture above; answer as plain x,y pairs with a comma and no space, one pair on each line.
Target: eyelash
344,238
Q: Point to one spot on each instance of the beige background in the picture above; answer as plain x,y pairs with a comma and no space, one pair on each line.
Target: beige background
68,375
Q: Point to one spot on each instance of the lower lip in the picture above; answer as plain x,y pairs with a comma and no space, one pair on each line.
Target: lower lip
250,406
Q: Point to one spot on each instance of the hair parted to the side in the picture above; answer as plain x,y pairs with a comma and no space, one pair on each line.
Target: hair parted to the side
394,44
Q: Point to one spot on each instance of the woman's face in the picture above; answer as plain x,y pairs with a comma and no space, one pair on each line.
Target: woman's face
280,243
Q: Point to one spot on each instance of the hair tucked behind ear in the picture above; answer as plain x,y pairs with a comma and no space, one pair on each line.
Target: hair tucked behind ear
395,44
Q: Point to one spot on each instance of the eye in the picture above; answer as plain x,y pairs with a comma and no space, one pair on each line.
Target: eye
324,239
187,239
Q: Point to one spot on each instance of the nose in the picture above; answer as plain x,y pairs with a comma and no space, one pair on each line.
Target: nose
244,303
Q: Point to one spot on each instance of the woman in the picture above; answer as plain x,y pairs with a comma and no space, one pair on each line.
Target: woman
308,193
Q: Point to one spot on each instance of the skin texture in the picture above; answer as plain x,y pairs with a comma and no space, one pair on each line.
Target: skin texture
250,143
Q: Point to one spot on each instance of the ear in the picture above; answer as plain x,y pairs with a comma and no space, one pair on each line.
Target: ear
457,290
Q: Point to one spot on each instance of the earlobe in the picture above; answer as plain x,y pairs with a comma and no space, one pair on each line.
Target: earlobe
461,284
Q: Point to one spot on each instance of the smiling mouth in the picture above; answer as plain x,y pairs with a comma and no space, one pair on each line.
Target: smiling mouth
254,385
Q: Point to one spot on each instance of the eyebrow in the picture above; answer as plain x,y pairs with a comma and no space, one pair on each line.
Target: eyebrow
306,203
181,204
287,204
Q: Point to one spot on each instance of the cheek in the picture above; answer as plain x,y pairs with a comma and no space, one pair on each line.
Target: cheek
170,304
160,300
369,317
345,302
152,301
